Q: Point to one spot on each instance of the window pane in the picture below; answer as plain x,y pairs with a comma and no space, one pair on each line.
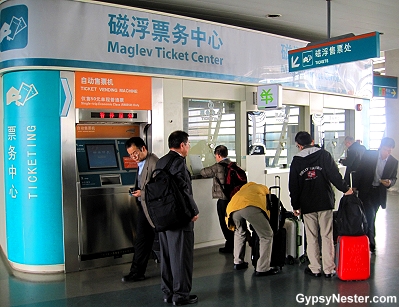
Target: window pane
272,133
210,123
377,122
332,132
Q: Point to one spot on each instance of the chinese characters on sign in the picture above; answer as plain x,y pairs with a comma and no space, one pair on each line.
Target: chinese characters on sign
161,31
31,162
321,55
12,154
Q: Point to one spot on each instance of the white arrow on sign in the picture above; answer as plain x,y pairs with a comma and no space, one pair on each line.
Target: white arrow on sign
68,97
294,62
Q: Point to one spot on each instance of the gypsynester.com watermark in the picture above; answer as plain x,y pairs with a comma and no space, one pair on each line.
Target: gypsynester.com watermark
311,300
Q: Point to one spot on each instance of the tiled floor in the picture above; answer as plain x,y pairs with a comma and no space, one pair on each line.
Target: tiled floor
215,282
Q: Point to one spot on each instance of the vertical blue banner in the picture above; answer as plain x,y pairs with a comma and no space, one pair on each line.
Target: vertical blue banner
32,166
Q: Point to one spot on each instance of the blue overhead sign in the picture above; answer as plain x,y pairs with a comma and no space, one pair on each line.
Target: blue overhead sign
385,86
334,52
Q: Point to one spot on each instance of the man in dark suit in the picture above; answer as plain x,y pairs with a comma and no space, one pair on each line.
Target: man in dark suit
376,173
177,246
354,154
146,161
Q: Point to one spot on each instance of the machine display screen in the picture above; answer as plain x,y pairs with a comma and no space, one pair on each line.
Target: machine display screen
101,156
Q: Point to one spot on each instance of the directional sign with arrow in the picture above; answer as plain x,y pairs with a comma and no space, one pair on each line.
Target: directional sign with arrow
332,52
385,86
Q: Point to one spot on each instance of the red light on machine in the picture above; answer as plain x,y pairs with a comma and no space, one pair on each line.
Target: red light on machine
359,107
116,115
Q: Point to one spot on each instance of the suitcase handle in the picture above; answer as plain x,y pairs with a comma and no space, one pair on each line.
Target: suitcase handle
277,180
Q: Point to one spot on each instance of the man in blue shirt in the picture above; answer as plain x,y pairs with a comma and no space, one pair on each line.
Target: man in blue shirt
146,162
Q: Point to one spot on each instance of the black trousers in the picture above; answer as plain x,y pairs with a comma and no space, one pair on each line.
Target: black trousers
143,244
177,249
227,233
371,204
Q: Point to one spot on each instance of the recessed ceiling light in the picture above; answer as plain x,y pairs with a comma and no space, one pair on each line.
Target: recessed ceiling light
273,15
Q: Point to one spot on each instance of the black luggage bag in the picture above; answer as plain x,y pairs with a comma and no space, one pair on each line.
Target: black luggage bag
277,218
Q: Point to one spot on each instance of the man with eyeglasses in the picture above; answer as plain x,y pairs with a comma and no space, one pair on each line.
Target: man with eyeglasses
375,175
137,150
312,172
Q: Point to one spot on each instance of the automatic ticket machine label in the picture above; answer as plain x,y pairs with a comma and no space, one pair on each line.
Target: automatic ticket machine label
112,91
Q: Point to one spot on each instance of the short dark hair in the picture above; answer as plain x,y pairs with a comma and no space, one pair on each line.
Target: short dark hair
136,141
303,138
387,142
222,151
176,138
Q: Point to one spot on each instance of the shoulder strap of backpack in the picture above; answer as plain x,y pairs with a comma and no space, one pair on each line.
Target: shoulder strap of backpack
169,164
165,168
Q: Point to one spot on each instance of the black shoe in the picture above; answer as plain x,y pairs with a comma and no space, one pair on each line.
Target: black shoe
192,299
225,250
133,276
330,275
309,272
167,300
241,266
272,271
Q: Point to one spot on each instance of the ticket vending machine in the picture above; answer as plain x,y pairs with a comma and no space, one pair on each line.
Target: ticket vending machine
106,211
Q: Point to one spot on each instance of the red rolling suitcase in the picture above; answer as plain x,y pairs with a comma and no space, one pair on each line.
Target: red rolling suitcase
353,257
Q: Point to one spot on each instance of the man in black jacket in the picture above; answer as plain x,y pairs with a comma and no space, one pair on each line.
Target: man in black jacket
354,154
312,171
376,173
177,246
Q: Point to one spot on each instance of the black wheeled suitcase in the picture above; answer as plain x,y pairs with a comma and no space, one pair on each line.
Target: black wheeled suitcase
277,224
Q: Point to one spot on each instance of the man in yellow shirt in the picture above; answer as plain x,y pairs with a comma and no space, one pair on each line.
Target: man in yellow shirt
249,204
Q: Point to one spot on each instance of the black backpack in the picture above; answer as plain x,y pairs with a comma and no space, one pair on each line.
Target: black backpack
350,217
166,204
235,178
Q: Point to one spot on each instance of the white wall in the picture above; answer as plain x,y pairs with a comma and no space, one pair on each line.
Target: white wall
207,228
